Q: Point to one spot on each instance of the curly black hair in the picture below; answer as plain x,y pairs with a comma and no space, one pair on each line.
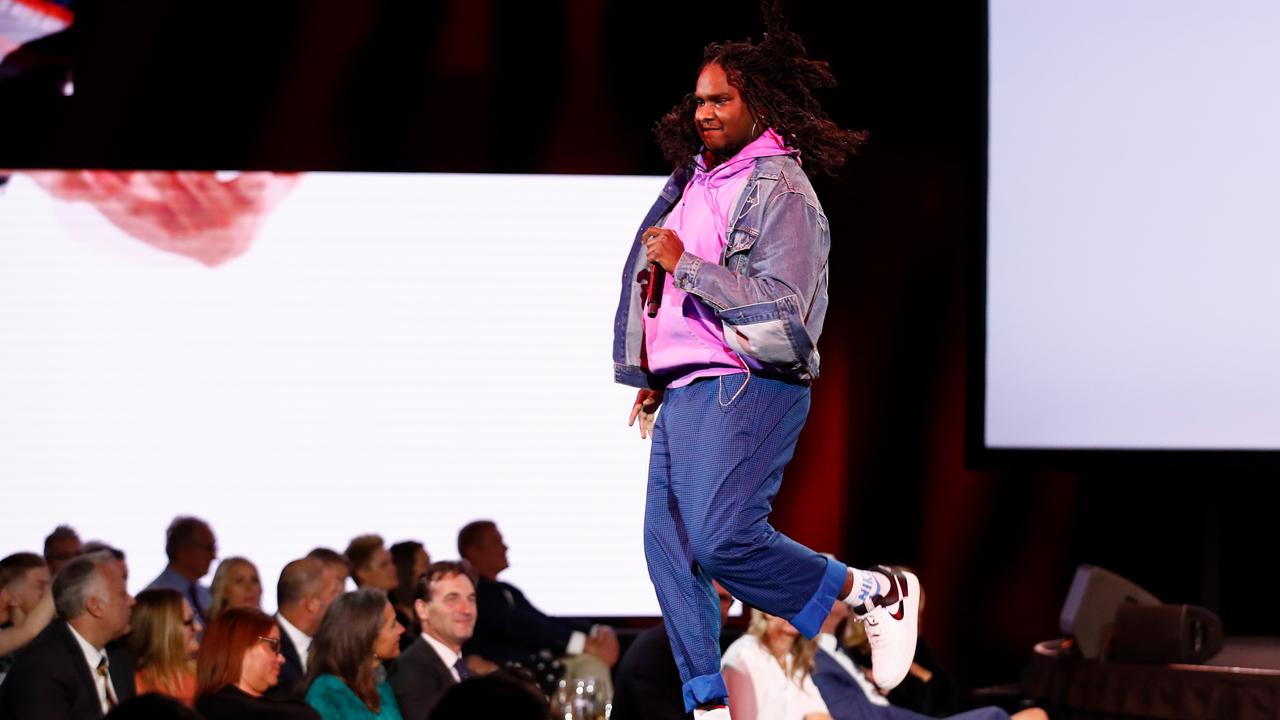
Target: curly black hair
778,81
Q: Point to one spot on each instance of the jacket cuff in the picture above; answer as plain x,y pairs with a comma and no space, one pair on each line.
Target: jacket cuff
686,274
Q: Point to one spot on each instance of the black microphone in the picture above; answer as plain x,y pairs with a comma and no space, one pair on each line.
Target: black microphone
653,294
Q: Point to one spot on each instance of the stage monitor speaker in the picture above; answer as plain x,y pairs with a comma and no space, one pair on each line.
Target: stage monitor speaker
1165,634
1090,609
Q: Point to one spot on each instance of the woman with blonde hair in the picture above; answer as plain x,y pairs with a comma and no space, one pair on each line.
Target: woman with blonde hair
164,644
768,673
235,584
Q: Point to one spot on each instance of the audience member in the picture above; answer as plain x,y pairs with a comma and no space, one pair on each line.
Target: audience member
116,553
235,584
29,579
152,707
192,548
411,560
306,589
445,606
510,629
164,645
334,559
768,674
60,547
648,682
371,564
67,672
357,634
18,628
850,695
510,694
238,662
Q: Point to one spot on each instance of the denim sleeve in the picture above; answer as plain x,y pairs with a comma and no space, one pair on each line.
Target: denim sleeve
763,310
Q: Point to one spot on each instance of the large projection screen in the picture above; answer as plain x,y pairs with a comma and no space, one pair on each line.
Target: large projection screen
1133,226
390,353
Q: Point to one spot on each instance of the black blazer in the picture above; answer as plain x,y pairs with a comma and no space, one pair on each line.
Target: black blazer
231,703
419,678
510,629
50,679
291,675
648,683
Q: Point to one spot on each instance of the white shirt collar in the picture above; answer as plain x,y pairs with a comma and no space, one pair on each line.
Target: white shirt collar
301,641
93,656
446,654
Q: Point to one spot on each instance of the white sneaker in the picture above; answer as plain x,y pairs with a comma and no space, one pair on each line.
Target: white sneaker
720,713
891,621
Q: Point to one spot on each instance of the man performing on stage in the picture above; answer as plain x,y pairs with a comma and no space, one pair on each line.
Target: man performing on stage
729,355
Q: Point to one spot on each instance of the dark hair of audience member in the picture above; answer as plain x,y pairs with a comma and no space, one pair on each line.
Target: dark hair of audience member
182,532
332,557
472,534
221,657
152,706
343,646
20,562
437,571
62,532
509,693
158,643
360,551
405,555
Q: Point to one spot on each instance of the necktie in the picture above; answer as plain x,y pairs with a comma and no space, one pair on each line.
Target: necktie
106,682
461,667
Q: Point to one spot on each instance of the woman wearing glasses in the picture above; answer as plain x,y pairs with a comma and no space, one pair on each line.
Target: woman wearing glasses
345,680
164,643
239,660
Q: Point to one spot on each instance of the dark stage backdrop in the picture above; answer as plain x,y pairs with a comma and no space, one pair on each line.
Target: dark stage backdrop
574,87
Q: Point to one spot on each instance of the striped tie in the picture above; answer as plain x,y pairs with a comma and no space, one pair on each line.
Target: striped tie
106,682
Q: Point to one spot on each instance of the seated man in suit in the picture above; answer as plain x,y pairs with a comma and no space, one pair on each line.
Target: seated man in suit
192,548
445,603
850,695
510,628
306,589
67,673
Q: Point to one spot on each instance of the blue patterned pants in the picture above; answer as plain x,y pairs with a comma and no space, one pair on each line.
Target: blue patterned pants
715,467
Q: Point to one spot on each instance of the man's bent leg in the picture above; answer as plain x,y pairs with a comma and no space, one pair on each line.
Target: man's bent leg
726,467
690,607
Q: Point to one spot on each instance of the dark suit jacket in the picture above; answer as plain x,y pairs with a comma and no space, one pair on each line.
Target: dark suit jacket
648,683
291,675
419,678
510,629
50,679
231,703
846,700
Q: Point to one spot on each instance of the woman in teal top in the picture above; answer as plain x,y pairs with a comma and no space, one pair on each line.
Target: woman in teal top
358,632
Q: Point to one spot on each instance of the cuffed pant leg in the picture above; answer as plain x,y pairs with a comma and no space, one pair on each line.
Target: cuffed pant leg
689,604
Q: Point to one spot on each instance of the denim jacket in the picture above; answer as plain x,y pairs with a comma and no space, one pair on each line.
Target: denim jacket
769,288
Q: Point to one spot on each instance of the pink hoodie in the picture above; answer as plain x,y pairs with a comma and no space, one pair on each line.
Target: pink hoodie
686,338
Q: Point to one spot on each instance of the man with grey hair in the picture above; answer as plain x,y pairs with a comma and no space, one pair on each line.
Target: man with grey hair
67,673
306,589
192,548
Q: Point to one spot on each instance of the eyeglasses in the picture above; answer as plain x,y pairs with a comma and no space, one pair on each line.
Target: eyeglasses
274,643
